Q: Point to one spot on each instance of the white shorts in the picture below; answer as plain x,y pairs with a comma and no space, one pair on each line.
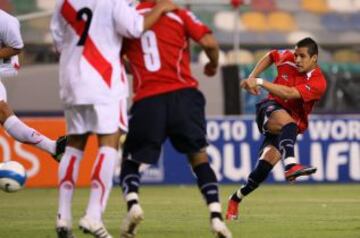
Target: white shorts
3,96
96,118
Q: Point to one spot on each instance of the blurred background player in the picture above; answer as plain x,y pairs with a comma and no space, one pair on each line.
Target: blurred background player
88,36
11,44
167,104
299,84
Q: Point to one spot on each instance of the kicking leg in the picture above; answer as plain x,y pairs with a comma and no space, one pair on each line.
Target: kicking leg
27,135
281,123
268,159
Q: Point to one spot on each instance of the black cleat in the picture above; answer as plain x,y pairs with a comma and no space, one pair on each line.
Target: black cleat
61,143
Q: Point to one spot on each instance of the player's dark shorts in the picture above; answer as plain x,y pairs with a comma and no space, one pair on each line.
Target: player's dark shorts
263,111
178,115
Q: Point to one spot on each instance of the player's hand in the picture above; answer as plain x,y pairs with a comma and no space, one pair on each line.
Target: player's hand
166,5
210,69
250,86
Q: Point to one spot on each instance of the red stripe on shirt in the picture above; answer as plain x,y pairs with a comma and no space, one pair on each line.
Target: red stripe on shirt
91,52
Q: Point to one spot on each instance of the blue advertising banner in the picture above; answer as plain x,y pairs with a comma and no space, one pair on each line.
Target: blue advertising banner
331,143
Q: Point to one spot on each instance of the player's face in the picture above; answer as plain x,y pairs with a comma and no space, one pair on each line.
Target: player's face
304,62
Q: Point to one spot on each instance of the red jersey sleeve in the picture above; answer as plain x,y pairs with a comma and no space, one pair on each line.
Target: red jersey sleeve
281,56
193,26
275,56
313,89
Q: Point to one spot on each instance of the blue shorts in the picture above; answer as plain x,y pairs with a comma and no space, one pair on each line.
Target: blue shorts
178,115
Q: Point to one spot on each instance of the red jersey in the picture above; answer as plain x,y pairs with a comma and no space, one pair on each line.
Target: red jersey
311,86
160,59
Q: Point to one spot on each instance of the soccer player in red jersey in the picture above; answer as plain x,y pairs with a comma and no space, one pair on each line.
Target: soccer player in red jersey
167,104
284,114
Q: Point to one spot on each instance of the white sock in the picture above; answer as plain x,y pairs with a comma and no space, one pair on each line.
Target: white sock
290,160
68,174
101,182
215,207
239,194
22,133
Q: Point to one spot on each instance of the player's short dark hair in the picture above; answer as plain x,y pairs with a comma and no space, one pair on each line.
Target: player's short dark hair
310,44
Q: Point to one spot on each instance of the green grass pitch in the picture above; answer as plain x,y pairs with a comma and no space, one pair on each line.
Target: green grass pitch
274,211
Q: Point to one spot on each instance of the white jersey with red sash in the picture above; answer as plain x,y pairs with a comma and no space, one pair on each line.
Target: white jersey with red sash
88,35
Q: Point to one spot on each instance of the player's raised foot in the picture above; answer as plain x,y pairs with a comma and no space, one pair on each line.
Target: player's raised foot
131,222
232,210
63,229
94,228
60,148
219,228
298,170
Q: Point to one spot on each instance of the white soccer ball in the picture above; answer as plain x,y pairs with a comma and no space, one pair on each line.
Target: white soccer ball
12,176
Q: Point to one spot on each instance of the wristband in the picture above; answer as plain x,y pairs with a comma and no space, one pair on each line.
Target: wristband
259,81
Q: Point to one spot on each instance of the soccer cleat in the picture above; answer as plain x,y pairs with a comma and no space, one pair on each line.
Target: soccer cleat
131,221
97,229
219,228
298,170
232,210
63,229
60,148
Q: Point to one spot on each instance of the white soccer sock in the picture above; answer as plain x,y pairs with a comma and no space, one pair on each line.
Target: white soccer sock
68,174
215,207
22,133
239,194
101,182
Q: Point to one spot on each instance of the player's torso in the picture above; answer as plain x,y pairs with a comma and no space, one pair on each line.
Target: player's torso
5,20
90,67
160,59
288,75
90,19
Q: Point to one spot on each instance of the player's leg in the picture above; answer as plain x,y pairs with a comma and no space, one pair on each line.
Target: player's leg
269,156
101,185
25,134
68,174
147,132
209,188
188,135
281,123
103,120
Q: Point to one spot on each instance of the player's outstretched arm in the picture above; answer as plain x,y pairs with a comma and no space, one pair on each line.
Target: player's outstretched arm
261,66
249,84
162,6
211,48
7,52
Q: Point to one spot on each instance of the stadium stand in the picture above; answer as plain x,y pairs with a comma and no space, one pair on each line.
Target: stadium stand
318,6
343,6
308,21
240,57
281,21
255,21
225,21
290,6
264,6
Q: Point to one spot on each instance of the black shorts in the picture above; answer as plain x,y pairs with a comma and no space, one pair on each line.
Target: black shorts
263,111
179,115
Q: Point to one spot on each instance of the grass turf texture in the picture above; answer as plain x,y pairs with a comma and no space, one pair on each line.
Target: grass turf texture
279,211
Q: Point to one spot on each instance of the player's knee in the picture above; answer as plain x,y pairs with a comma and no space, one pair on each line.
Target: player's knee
5,111
275,124
198,158
271,155
110,140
